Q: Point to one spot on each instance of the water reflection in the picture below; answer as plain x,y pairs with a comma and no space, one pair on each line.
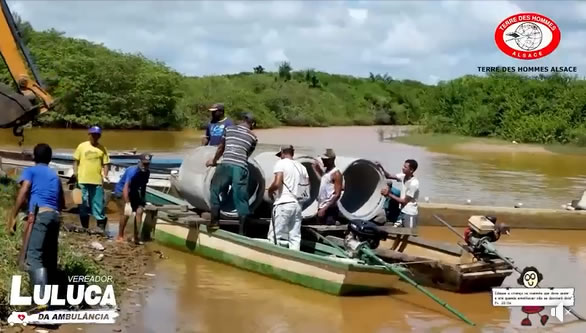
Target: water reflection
191,294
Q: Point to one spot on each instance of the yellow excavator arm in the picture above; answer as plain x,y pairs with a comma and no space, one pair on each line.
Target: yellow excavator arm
31,100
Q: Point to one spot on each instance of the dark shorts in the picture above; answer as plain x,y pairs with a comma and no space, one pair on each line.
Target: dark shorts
135,201
330,217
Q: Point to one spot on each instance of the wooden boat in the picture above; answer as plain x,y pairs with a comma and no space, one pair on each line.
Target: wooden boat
157,180
444,266
316,266
439,265
122,159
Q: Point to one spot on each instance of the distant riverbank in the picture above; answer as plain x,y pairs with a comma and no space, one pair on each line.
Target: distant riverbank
486,145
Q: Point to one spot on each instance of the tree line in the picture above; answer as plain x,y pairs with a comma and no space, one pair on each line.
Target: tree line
96,85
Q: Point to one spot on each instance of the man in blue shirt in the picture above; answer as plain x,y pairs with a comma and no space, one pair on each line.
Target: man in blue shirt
41,186
130,195
217,126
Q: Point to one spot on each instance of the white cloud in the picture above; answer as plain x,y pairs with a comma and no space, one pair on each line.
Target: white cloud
358,15
275,56
421,40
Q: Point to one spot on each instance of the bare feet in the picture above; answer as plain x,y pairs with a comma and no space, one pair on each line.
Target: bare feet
120,239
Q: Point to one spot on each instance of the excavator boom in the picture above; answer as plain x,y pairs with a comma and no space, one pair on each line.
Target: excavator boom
31,99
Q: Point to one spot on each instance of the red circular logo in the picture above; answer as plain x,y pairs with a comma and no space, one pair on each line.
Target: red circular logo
527,36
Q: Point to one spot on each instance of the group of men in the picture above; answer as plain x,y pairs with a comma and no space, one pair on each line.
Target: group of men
42,188
289,189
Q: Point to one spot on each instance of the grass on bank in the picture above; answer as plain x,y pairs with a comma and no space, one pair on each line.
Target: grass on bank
71,260
431,140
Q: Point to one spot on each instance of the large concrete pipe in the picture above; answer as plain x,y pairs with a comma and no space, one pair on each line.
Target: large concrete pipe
267,161
363,181
194,179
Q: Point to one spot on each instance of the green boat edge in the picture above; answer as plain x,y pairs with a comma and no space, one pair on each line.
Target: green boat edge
339,289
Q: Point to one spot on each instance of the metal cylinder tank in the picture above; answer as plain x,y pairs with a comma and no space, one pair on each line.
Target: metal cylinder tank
194,179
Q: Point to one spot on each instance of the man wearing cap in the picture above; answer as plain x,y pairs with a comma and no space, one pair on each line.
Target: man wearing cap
217,126
330,189
90,168
235,148
130,195
289,178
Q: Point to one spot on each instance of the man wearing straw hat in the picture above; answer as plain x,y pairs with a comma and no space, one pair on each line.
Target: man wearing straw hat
291,186
330,188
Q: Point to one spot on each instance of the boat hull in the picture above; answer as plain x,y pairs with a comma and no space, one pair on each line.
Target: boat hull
448,267
332,276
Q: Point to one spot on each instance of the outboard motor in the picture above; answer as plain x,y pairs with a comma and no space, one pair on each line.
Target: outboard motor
482,231
360,231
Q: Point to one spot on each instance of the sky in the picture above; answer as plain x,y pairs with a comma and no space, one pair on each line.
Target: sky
426,41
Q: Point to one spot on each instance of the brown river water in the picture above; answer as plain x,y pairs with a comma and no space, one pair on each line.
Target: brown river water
191,294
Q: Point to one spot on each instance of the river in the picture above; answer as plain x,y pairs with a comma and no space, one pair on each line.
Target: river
191,294
486,178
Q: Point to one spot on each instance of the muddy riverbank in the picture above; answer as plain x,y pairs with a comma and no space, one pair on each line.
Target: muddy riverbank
125,262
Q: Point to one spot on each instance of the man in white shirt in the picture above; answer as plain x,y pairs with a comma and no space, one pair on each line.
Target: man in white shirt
409,194
289,180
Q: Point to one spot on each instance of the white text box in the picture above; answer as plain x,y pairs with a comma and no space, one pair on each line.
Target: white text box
532,296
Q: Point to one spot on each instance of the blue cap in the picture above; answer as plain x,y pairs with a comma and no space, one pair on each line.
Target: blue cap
95,130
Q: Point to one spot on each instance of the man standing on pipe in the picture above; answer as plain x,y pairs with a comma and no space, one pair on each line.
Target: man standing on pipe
217,125
409,194
236,146
330,189
292,183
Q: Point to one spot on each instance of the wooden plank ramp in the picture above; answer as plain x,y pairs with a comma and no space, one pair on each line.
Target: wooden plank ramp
389,229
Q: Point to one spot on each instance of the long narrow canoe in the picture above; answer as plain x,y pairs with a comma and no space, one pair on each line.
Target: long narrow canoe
316,266
444,266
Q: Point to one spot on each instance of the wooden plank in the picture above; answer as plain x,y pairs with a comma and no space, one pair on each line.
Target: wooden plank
437,246
336,240
322,228
179,213
389,229
399,230
499,272
483,266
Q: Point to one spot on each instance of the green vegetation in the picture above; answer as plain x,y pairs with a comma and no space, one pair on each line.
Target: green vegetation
98,85
544,109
